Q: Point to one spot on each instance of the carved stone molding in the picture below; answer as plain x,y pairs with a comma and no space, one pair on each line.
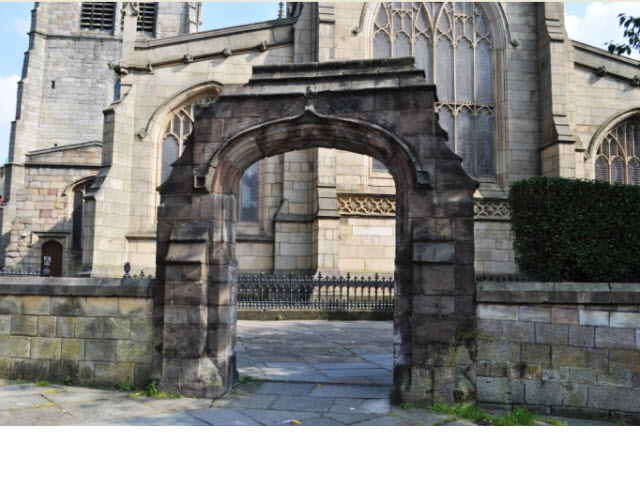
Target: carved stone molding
385,205
378,205
491,209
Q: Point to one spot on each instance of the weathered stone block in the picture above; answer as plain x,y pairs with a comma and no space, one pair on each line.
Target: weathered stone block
221,340
65,327
130,351
523,371
615,338
499,351
534,314
24,325
46,326
108,374
142,375
13,346
499,390
624,320
102,350
580,336
536,354
72,349
434,278
86,373
46,348
89,327
486,368
5,324
519,331
556,374
543,393
10,304
575,395
185,315
117,328
36,305
136,307
614,398
489,329
184,341
102,307
5,367
565,315
624,361
595,358
553,334
433,229
141,329
615,379
594,318
29,369
68,306
562,355
498,312
434,252
582,375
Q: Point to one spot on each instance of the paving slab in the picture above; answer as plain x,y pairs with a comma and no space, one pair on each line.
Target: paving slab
36,417
79,395
320,421
180,419
352,391
108,409
22,401
11,390
386,421
169,405
277,388
380,406
277,417
424,417
245,400
350,418
302,403
355,363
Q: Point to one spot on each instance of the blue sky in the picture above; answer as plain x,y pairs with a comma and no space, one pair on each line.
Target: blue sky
593,23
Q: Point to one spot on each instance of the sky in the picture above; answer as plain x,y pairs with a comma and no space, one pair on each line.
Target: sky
593,23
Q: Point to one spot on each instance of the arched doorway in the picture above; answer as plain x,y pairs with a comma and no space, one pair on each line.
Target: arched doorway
53,250
379,108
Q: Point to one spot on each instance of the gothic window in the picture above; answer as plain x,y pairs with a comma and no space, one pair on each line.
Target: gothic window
249,187
76,214
452,43
98,16
617,157
173,141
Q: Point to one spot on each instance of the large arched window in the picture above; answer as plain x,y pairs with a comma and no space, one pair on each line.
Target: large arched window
453,43
618,155
173,140
249,187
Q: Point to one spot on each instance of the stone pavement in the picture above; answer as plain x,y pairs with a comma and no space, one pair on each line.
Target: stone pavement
303,373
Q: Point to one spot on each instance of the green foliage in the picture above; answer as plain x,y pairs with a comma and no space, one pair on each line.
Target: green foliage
68,381
246,379
124,386
576,230
516,417
42,383
406,406
468,412
151,390
631,34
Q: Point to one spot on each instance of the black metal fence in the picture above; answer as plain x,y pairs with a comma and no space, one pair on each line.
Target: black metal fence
273,291
10,272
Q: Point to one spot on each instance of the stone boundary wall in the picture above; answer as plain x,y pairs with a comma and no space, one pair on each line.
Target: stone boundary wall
96,331
560,348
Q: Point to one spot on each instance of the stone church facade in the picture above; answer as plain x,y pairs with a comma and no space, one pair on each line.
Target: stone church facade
106,105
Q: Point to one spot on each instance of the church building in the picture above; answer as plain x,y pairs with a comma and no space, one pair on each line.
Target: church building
106,101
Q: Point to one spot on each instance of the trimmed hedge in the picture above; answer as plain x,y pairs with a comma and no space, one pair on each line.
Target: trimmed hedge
576,230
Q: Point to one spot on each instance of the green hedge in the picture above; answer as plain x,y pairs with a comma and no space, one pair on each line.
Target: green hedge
576,230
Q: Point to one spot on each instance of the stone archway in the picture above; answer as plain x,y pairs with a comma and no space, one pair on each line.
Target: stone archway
381,108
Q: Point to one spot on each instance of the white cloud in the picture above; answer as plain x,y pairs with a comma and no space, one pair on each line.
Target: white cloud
22,25
600,24
8,90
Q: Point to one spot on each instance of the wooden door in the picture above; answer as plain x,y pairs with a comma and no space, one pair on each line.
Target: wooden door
54,250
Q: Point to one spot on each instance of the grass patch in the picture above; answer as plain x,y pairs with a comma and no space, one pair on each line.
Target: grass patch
246,379
51,391
516,416
42,383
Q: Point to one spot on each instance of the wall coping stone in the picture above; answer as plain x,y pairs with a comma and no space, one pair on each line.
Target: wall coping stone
557,292
81,287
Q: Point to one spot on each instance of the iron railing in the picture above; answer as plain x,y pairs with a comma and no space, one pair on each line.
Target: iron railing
274,291
10,272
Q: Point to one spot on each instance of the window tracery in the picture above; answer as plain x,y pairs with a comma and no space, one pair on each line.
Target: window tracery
618,155
453,44
174,138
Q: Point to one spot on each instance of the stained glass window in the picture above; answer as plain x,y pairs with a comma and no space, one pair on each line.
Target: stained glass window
617,156
452,43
